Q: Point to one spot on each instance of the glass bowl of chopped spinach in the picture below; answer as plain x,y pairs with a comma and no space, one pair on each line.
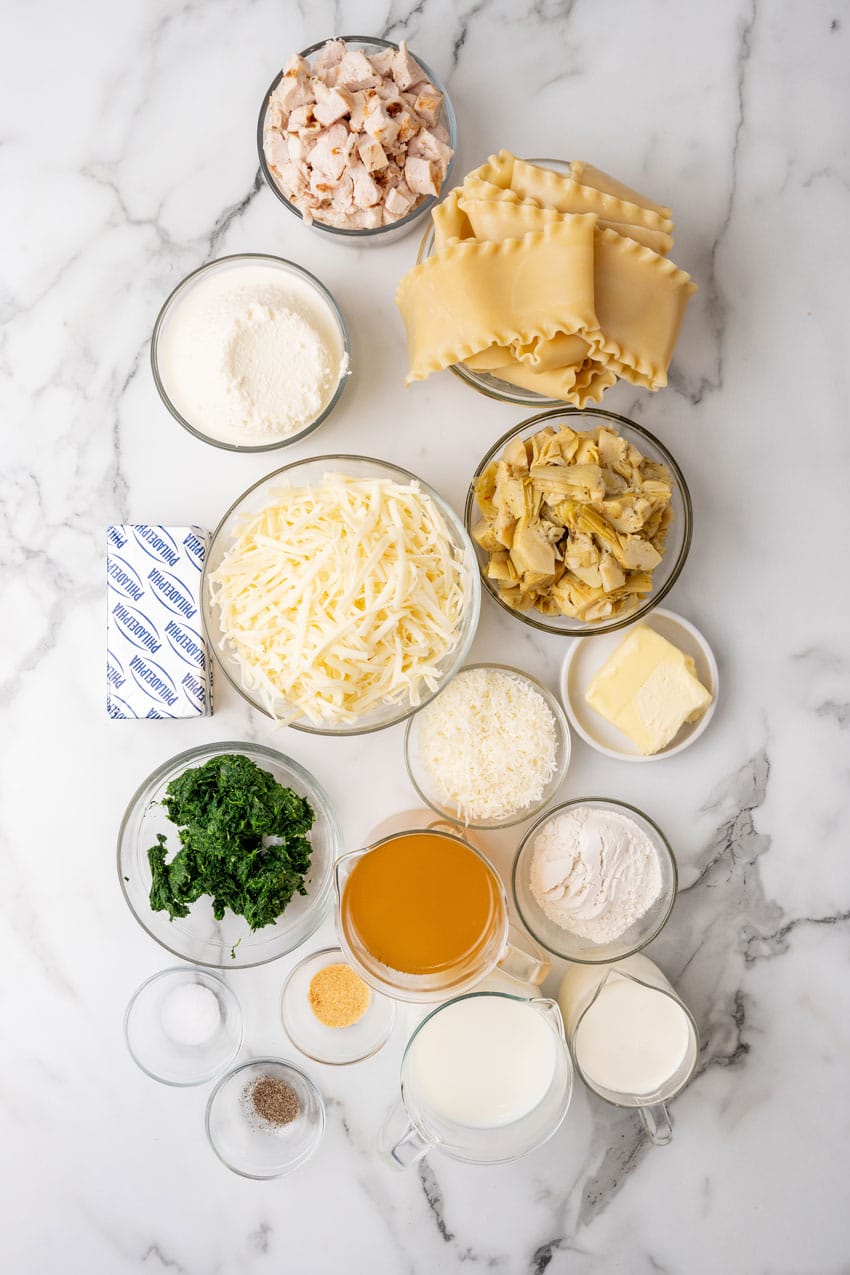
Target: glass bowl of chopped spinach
225,855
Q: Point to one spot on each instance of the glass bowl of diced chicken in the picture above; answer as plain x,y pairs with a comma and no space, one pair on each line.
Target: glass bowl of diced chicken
357,137
581,521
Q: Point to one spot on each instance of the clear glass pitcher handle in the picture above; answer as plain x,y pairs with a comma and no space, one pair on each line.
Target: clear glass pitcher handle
657,1122
399,1142
522,960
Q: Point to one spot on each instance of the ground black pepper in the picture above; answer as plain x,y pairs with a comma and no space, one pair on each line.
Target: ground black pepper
274,1101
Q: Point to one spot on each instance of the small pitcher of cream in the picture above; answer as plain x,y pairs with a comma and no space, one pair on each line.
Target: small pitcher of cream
633,1041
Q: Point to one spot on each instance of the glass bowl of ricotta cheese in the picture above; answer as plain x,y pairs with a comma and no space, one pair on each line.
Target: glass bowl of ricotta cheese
250,353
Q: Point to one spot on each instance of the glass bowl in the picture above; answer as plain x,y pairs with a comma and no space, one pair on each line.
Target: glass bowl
160,1053
424,784
309,471
679,533
333,1045
572,947
379,234
246,1143
199,937
485,382
220,266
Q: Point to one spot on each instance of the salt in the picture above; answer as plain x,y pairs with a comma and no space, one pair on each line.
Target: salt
190,1014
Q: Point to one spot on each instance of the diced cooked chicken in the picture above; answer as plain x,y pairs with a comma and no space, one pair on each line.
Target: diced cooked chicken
331,54
357,72
372,154
420,175
378,124
302,119
426,101
329,151
354,140
359,104
331,104
292,90
406,71
399,201
277,150
366,190
383,62
429,146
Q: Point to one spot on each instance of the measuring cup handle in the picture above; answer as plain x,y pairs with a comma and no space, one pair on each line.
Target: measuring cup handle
657,1122
521,960
399,1141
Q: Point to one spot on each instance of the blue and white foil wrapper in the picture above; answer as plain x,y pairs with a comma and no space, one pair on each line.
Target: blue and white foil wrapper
157,661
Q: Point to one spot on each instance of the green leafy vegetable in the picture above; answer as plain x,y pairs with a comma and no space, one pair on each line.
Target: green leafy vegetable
243,841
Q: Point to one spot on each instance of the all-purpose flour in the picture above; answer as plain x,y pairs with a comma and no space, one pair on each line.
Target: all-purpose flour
594,872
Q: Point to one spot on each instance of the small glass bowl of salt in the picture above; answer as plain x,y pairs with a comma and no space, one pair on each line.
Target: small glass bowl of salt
183,1026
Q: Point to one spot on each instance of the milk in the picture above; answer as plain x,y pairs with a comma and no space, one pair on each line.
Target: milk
633,1041
483,1062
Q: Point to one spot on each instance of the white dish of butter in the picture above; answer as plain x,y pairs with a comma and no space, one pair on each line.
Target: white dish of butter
250,352
588,655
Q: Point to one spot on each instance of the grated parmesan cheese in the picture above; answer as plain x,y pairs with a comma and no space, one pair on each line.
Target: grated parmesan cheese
489,743
340,597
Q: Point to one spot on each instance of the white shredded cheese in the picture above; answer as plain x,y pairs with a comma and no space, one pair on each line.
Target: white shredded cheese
489,743
340,597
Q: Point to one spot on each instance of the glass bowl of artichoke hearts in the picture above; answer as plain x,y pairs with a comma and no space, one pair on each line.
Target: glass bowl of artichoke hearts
581,521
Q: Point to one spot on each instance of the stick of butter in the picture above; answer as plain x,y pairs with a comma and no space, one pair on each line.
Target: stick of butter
648,689
157,662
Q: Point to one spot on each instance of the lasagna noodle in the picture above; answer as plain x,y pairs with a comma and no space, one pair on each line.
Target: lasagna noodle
474,295
640,301
491,358
564,349
580,384
556,383
565,194
450,221
590,176
494,218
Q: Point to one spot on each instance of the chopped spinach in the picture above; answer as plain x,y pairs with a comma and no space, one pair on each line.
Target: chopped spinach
243,842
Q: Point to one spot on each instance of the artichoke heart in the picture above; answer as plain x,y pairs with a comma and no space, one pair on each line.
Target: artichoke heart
573,523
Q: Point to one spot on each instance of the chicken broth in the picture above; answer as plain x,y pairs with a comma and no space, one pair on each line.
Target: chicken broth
422,903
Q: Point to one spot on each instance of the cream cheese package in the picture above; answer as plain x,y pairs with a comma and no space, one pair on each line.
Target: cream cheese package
157,661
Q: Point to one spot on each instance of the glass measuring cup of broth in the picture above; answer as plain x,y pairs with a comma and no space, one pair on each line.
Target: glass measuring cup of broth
422,915
633,1041
485,1078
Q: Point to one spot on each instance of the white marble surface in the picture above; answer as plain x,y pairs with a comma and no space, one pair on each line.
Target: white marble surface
127,159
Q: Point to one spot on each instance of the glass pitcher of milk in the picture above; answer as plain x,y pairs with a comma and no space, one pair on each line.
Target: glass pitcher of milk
485,1078
633,1041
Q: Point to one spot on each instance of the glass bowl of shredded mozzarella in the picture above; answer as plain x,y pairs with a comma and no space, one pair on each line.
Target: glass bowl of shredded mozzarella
340,594
490,750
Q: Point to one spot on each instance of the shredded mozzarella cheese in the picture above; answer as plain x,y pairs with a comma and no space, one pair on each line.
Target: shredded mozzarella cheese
489,743
340,597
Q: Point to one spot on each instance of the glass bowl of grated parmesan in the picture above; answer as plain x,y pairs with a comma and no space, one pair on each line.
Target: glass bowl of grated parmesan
340,594
491,750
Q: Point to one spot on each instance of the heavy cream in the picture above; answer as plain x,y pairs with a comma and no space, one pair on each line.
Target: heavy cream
634,1040
250,352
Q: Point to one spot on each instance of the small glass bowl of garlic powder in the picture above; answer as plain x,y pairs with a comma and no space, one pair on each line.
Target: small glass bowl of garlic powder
250,353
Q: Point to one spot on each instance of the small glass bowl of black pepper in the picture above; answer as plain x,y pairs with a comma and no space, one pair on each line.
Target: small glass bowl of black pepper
265,1118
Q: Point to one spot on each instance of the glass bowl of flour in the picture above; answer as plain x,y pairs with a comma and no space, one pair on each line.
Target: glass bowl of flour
250,353
594,880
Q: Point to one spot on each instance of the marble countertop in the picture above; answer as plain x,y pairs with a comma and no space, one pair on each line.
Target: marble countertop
127,160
